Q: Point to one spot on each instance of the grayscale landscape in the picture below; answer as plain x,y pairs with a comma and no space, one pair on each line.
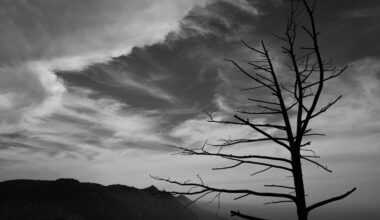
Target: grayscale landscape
189,110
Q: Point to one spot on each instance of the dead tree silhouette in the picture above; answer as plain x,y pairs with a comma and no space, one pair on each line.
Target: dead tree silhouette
295,102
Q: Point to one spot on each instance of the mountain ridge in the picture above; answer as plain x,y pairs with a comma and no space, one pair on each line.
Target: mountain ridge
69,199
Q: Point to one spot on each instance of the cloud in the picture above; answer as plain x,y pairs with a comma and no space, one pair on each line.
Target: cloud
83,125
107,110
28,90
52,29
354,114
185,69
43,36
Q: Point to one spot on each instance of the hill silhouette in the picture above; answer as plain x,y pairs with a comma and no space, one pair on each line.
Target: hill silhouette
69,199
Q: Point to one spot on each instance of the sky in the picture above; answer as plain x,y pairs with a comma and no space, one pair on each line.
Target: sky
95,89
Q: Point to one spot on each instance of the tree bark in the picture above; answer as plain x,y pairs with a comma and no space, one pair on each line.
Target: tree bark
299,186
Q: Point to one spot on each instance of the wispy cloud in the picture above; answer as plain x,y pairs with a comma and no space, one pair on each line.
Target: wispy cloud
49,29
360,104
28,90
81,122
45,36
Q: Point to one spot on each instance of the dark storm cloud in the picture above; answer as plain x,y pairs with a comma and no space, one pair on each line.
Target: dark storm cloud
185,70
349,29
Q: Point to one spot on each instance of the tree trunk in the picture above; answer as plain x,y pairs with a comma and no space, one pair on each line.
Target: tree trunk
299,187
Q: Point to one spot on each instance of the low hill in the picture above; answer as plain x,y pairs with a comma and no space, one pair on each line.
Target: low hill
68,199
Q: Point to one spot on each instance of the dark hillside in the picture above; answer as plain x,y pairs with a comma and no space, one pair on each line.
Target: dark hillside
68,199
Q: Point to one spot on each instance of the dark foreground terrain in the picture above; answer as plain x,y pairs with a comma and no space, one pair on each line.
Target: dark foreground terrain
68,199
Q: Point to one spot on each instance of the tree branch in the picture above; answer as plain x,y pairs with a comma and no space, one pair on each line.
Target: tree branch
242,141
280,186
250,76
261,171
318,164
261,113
211,119
238,214
228,167
186,151
327,78
325,108
277,202
262,132
324,202
205,188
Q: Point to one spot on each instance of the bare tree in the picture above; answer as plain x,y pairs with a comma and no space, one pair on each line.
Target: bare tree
295,100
